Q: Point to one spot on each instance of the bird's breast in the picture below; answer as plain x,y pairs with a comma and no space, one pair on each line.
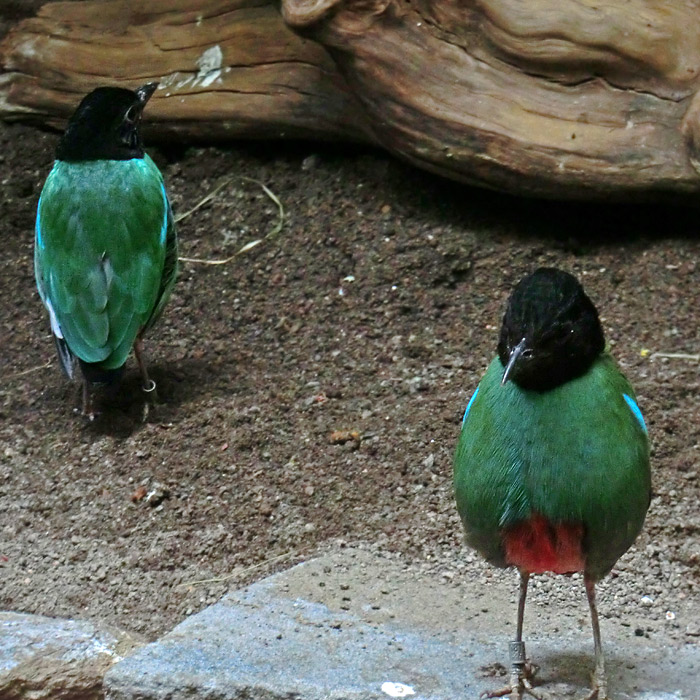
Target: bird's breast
537,545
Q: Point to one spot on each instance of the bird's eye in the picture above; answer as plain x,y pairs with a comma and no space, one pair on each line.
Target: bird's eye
131,115
527,354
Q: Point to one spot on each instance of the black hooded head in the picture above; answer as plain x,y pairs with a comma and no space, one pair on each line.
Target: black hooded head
105,126
550,333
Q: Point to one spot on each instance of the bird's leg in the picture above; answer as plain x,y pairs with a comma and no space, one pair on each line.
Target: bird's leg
148,386
600,681
88,409
521,672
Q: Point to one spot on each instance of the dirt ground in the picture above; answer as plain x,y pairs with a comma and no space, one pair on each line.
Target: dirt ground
312,388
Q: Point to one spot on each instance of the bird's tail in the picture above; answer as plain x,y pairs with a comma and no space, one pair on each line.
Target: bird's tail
95,374
92,372
65,356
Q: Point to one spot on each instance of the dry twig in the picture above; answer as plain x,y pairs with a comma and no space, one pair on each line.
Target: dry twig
251,244
29,371
240,572
677,356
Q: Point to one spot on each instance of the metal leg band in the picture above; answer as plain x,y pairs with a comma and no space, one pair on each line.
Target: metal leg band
517,653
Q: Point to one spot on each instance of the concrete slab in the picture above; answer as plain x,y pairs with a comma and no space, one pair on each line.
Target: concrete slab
353,625
44,657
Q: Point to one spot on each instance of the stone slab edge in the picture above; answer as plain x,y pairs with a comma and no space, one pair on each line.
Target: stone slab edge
43,657
266,643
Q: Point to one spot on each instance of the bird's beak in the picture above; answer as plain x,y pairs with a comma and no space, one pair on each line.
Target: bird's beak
515,353
145,91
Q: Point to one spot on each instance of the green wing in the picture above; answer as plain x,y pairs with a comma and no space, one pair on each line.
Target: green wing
105,254
577,453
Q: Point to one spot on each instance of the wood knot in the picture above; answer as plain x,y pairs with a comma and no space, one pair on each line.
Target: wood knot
300,14
351,14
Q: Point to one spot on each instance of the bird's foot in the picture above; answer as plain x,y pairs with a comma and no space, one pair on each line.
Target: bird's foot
88,413
88,403
599,691
520,686
595,694
522,675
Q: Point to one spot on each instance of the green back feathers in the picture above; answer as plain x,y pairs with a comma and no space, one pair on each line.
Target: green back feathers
577,452
105,253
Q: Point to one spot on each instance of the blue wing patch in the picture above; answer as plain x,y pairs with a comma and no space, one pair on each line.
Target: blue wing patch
633,407
471,401
37,227
166,211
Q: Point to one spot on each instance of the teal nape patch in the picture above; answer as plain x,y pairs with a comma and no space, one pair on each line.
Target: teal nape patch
635,410
469,405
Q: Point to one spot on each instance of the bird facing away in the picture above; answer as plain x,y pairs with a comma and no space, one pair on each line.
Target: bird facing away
551,471
105,253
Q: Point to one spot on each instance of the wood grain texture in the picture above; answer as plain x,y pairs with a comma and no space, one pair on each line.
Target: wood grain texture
549,97
561,98
227,68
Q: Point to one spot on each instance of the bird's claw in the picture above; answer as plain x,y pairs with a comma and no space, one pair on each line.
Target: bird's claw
599,690
520,684
88,413
89,416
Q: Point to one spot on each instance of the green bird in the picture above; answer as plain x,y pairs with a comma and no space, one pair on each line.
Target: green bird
551,471
105,253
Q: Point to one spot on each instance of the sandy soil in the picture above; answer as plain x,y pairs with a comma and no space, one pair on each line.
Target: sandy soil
312,388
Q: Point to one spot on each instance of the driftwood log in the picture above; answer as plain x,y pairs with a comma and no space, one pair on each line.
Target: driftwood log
563,98
227,68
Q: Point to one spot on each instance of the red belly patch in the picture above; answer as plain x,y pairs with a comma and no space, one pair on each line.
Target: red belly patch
537,545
